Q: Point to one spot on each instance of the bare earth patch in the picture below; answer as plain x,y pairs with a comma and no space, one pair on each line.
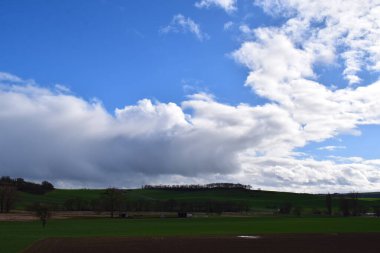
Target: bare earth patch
30,216
18,216
310,243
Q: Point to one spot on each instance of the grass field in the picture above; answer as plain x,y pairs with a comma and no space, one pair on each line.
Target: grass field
15,236
256,200
259,199
56,197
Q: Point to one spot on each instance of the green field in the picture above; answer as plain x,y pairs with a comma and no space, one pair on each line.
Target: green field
56,197
15,236
256,200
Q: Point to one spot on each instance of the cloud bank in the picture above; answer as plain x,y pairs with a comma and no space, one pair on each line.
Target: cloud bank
49,134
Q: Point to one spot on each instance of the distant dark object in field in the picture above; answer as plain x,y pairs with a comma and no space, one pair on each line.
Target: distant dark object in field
376,210
123,215
184,215
285,208
297,211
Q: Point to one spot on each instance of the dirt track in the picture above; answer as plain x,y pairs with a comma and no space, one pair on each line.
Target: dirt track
347,243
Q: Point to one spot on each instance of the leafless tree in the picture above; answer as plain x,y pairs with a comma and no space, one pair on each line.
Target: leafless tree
7,197
43,213
329,204
113,199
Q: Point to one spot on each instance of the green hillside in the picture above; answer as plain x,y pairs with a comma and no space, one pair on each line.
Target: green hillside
255,199
55,197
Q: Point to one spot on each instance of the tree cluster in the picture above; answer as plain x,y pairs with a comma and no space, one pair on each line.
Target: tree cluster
21,185
114,200
208,206
111,200
349,204
199,186
7,197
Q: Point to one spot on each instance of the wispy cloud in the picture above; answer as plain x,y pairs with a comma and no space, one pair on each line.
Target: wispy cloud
9,77
228,5
331,148
182,24
228,25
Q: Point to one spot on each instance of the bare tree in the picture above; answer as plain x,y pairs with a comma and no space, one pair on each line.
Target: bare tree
344,205
354,203
7,197
376,210
329,204
43,213
113,199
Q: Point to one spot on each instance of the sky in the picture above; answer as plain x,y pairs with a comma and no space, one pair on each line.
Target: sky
278,94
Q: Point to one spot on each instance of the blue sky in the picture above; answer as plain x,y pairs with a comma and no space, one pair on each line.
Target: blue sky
263,80
113,50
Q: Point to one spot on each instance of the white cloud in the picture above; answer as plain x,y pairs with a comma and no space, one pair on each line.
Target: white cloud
331,148
309,175
183,24
245,29
282,59
228,5
228,25
6,77
347,27
62,88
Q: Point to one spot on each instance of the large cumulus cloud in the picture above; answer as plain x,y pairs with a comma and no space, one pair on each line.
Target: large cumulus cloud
54,135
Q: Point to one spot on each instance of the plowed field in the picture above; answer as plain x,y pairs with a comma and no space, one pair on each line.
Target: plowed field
306,243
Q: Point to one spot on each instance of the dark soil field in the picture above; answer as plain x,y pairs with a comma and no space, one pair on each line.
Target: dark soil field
311,243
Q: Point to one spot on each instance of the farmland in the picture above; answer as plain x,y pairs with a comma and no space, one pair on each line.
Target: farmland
262,216
256,200
15,236
286,243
